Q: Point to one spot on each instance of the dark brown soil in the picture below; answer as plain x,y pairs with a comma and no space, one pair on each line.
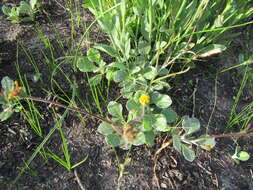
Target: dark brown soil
210,170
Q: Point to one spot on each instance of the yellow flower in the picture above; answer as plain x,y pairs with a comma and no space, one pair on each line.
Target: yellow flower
144,99
15,91
207,147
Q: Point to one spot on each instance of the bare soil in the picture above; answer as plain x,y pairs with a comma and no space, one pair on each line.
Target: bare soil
210,170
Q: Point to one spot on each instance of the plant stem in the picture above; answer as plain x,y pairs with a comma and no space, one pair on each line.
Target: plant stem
70,108
239,134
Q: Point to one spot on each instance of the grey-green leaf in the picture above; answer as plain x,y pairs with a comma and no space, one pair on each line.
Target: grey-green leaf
170,115
7,84
144,47
33,3
115,109
107,49
113,140
139,139
161,100
207,144
85,65
6,10
109,74
177,143
161,123
149,72
6,113
105,129
148,121
190,124
188,153
120,76
149,138
96,79
93,55
118,65
132,105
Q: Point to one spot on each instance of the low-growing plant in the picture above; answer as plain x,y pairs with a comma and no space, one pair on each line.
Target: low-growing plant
149,40
240,155
148,115
23,13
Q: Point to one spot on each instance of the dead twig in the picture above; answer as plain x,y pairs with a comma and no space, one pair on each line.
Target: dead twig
79,181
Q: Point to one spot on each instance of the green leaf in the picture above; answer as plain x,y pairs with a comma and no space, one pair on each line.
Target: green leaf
188,153
7,85
148,121
243,156
158,85
14,12
85,65
115,109
105,129
93,55
144,32
132,115
96,80
190,125
107,49
161,100
109,74
120,76
177,143
149,72
24,8
139,139
33,3
218,21
113,140
207,144
161,123
6,10
170,115
6,113
2,98
160,45
118,65
90,4
127,46
133,105
149,138
134,69
14,19
144,47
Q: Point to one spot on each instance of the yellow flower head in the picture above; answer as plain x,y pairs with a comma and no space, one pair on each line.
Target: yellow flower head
208,147
144,99
15,91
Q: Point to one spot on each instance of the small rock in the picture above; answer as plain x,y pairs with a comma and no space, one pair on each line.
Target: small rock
163,185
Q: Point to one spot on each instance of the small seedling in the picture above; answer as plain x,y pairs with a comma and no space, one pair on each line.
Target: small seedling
240,155
24,13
